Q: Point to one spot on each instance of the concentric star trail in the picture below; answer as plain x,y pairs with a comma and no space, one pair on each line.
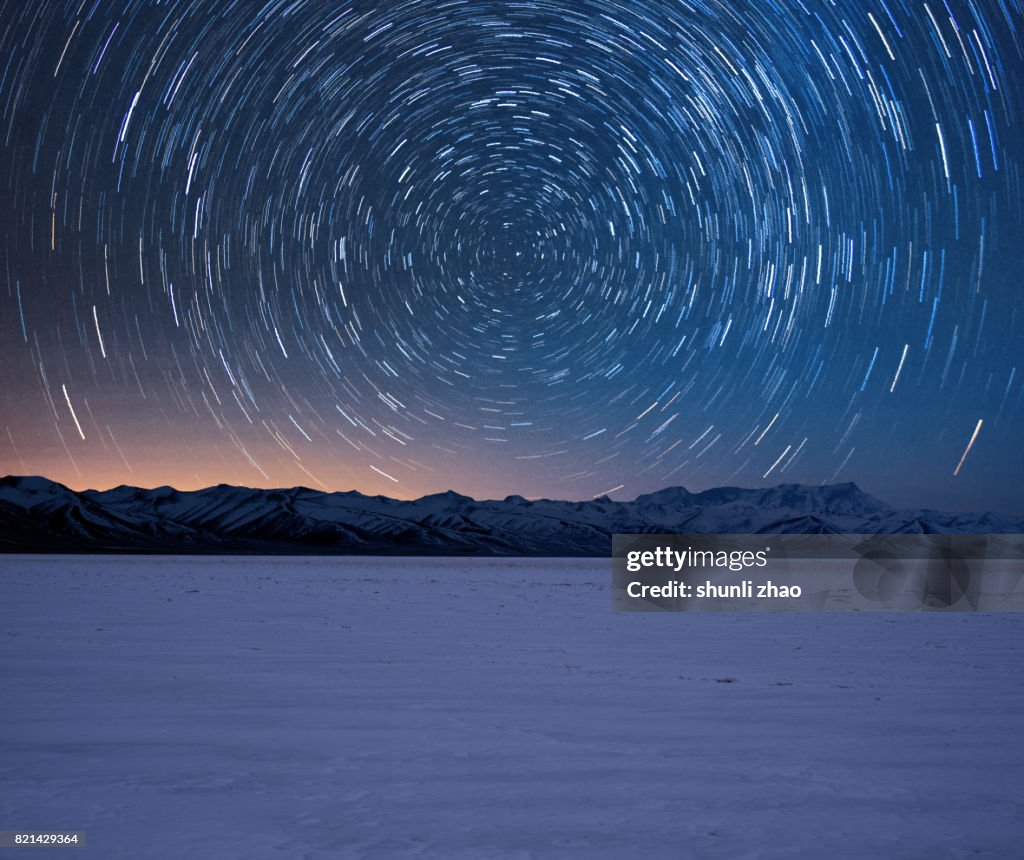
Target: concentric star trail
543,248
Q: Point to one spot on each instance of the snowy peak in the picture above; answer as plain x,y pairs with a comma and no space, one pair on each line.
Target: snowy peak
38,515
668,496
826,499
30,483
447,498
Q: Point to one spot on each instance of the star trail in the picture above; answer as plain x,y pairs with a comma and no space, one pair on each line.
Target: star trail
554,249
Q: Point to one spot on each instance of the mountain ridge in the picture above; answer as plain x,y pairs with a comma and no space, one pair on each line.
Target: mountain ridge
40,515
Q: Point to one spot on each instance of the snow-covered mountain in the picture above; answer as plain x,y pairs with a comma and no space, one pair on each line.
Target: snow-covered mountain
38,515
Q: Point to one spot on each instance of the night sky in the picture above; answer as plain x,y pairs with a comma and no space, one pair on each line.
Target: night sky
555,249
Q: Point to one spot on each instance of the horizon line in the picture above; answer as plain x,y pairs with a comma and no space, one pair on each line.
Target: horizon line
599,497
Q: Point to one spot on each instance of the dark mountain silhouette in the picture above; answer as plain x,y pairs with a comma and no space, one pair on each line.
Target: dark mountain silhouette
38,515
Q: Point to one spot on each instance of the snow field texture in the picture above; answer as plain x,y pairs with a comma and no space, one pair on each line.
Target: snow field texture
259,707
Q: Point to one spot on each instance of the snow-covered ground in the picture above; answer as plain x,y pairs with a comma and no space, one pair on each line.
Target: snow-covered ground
331,708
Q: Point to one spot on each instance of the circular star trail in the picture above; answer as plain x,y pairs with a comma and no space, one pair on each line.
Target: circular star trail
545,248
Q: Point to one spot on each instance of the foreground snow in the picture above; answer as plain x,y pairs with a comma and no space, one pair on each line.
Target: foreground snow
331,708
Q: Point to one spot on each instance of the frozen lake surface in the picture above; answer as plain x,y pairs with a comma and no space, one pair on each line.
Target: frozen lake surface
406,708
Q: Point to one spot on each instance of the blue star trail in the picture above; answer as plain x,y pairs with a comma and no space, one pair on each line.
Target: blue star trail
546,248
